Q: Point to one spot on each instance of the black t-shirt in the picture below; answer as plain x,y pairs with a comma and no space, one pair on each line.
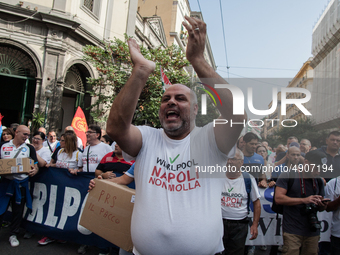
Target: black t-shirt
111,163
293,221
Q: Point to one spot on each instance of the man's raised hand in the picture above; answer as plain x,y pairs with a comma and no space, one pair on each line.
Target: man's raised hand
138,59
197,32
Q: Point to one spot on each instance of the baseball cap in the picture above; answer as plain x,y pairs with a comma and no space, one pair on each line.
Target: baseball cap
316,157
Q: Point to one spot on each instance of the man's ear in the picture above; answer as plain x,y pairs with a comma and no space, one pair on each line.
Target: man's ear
195,109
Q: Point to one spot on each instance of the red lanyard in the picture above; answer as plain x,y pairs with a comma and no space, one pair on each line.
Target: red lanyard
303,187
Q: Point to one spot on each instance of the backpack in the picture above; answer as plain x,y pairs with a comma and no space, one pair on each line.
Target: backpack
279,208
247,182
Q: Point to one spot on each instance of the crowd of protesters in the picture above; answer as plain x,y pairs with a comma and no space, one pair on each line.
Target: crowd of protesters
47,150
299,233
306,180
274,167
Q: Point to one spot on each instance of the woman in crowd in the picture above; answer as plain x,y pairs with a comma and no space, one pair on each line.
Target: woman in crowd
106,139
43,153
262,150
68,156
7,135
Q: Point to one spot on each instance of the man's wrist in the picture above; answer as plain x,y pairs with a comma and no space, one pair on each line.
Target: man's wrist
197,62
142,71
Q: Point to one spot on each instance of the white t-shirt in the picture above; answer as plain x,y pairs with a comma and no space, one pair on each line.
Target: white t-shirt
177,211
45,154
334,194
64,161
53,145
96,154
113,145
80,143
234,198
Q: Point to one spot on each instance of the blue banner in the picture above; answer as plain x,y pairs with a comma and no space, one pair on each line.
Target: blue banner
58,200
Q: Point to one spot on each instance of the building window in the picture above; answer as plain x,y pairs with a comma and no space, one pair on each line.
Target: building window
89,4
92,7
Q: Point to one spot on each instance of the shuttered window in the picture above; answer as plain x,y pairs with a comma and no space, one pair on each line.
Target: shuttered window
92,6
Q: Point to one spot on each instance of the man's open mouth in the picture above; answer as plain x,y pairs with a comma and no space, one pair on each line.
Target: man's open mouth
171,115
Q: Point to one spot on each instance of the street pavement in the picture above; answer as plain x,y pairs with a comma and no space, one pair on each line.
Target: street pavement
31,247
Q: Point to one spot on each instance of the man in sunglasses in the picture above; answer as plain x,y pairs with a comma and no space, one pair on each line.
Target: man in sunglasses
51,141
16,184
95,150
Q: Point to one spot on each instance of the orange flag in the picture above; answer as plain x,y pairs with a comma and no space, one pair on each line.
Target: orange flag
80,125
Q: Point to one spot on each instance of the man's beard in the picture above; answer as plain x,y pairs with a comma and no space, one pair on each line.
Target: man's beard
176,130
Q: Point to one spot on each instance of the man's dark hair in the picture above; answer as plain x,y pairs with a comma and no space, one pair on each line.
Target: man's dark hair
97,129
293,137
41,134
250,136
335,133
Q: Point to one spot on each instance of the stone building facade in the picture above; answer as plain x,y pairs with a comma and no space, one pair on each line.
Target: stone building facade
303,79
41,58
326,64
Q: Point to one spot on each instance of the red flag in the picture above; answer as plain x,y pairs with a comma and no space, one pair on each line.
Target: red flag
165,81
80,125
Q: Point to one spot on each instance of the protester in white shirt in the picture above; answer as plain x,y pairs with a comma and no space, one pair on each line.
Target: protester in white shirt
178,210
69,157
51,143
95,151
43,153
79,141
235,206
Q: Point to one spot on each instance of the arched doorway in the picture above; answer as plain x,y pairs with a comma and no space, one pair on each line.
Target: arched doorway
74,94
18,85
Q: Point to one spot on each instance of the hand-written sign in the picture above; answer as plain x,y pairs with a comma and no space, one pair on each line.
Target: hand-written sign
106,214
108,211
